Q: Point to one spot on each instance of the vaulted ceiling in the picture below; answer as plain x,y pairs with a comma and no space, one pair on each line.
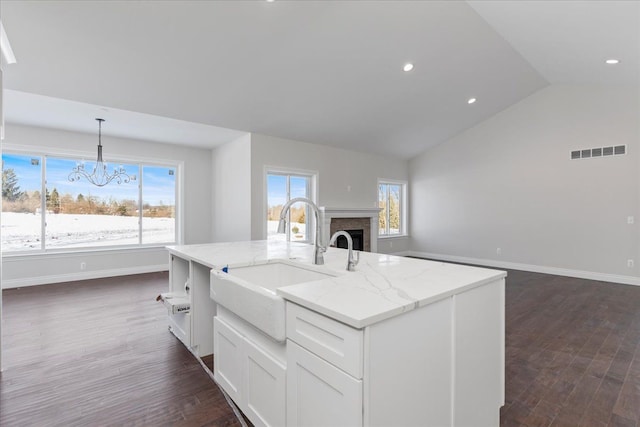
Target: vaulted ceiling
327,72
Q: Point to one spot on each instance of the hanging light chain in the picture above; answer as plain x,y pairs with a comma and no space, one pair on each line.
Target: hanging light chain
100,176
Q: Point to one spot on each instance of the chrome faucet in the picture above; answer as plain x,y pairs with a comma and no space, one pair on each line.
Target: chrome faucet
351,260
318,257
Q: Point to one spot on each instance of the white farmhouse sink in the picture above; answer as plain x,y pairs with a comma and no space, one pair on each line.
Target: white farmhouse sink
249,291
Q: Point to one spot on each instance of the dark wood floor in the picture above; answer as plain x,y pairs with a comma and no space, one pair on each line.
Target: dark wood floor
99,353
573,352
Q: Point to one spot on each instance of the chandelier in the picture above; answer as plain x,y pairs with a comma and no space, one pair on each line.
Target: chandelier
100,176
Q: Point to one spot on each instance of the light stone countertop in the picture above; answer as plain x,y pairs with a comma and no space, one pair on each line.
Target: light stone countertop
382,286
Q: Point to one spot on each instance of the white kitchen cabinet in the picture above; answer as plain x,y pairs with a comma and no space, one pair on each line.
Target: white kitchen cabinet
253,378
441,364
318,393
398,342
335,342
193,328
324,370
408,368
479,380
228,349
264,387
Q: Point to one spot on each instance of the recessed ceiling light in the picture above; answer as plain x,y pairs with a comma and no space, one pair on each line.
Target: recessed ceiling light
612,61
471,100
408,66
270,1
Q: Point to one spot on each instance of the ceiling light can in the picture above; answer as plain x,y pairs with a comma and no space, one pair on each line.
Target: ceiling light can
612,61
408,66
471,100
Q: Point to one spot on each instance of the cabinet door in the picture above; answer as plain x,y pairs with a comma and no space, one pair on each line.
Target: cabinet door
264,388
180,326
228,359
318,393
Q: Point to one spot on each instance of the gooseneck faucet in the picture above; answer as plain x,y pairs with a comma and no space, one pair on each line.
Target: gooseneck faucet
351,260
318,257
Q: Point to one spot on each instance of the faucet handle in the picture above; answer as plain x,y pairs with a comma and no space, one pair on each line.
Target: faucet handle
356,257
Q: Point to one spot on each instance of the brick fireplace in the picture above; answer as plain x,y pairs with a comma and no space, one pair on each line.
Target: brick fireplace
365,219
354,224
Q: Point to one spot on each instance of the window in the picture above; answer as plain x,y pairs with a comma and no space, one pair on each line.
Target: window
42,210
282,187
392,204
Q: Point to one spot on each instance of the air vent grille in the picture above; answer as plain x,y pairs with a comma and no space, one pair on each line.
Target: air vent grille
587,153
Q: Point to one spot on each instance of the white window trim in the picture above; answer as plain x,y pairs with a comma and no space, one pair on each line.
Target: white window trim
404,204
314,175
89,156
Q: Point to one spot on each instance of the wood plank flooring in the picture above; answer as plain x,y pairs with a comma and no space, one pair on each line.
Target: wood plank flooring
572,352
98,353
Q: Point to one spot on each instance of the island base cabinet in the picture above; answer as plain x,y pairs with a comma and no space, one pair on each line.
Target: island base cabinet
253,379
227,358
318,393
479,331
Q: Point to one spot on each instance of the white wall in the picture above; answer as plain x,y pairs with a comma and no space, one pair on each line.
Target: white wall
197,212
231,165
345,178
508,183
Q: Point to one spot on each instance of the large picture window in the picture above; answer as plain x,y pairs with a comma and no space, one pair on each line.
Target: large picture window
282,187
42,210
392,204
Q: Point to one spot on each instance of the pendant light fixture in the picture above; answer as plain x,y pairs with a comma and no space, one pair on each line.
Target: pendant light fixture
100,176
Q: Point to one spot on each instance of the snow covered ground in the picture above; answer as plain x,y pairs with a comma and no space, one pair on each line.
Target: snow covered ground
21,231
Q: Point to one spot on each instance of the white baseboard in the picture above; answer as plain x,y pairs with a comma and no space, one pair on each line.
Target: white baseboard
402,253
591,275
83,275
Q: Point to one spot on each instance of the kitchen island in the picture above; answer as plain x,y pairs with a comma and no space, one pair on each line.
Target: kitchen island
399,341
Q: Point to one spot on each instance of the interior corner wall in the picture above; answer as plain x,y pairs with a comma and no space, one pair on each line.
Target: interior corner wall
231,164
346,178
509,183
56,267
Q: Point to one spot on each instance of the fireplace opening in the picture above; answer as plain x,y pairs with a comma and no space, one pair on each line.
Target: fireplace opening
358,240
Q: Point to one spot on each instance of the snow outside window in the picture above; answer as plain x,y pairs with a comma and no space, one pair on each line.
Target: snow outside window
43,210
282,187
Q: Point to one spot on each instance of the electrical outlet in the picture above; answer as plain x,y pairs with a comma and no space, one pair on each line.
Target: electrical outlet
83,266
630,220
390,244
499,251
630,263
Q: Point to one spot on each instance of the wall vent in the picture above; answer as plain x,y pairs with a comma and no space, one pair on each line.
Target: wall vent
587,153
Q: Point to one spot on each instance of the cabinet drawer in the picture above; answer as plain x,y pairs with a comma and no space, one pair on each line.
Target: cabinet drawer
318,393
333,341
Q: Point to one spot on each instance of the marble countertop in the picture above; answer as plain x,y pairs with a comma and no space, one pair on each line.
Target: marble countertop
383,286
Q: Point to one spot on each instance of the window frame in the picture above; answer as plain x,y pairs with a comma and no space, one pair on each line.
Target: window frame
48,152
312,188
403,206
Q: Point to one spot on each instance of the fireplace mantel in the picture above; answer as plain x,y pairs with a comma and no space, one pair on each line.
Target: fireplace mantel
328,213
